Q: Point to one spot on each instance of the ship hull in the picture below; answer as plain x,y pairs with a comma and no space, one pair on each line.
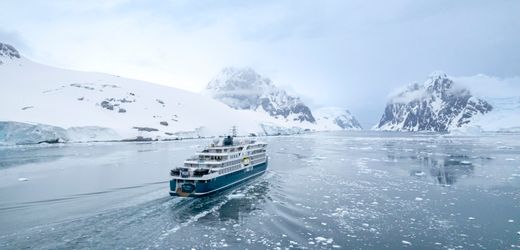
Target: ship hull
220,183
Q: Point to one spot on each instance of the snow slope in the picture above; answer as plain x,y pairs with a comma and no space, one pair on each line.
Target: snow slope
90,106
504,117
333,118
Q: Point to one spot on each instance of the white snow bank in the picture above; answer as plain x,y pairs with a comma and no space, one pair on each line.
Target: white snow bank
468,130
274,129
91,133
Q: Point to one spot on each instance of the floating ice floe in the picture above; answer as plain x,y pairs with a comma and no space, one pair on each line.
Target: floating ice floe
419,173
323,240
236,196
406,242
418,198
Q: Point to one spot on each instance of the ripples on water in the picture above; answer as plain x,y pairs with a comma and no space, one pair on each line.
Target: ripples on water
328,190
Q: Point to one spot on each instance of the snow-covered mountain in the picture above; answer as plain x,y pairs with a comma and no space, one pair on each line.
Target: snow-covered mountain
244,89
438,104
334,118
42,103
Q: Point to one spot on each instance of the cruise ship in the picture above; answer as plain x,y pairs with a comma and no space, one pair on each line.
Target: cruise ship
221,165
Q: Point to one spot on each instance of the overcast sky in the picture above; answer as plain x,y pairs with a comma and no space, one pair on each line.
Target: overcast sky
343,53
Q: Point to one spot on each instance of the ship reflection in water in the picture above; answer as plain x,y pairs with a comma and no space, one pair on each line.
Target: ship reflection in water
446,170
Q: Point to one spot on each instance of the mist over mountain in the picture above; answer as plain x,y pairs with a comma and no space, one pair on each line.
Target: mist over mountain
243,88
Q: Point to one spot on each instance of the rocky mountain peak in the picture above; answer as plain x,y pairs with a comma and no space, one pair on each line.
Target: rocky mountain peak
438,82
8,51
438,75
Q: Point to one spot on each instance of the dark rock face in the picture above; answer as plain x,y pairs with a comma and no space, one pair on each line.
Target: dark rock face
437,105
246,89
8,51
302,112
82,85
114,104
145,129
107,105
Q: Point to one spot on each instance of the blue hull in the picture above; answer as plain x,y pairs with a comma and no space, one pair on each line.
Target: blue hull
220,183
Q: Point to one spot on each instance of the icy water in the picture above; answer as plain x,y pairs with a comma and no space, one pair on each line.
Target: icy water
361,190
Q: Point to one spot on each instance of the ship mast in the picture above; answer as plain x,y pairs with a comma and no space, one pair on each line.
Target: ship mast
234,131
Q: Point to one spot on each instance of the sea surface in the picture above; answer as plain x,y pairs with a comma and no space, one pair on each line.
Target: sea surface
344,190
